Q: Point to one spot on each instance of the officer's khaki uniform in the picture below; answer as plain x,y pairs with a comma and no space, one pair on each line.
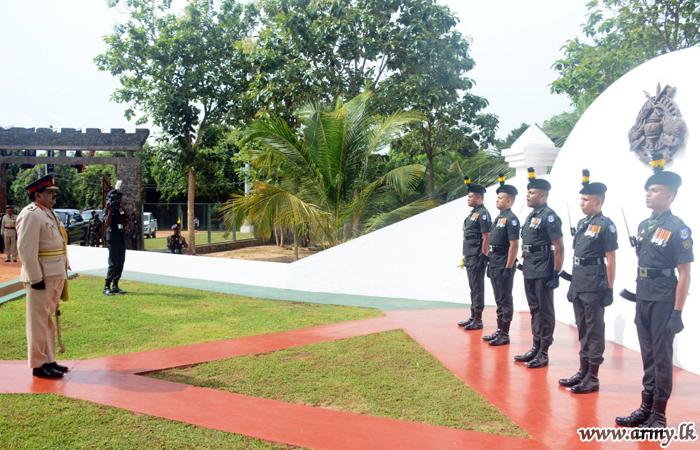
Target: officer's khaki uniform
42,249
9,234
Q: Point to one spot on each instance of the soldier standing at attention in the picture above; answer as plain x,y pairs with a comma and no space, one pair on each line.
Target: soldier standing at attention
664,244
503,249
42,247
543,257
595,241
9,234
475,249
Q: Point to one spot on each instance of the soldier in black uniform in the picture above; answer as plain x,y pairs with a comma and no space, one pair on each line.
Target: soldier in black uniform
595,241
663,244
176,242
503,249
543,257
116,223
475,249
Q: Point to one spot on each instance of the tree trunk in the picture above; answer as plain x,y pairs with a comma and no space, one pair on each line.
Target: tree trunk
296,246
281,237
190,209
431,175
277,237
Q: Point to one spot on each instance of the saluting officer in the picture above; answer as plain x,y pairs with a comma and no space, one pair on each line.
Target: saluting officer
543,257
664,243
503,249
42,248
475,249
595,241
8,230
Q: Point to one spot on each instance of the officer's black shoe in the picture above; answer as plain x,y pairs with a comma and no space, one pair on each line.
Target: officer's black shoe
118,291
529,356
495,334
477,324
541,360
56,366
590,382
464,323
578,376
503,338
46,371
107,291
657,418
639,416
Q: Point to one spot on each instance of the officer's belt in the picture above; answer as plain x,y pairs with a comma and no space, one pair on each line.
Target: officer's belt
52,253
647,272
587,261
537,248
498,249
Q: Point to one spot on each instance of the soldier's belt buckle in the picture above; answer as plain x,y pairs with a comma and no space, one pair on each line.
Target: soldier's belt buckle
643,272
526,248
577,261
120,226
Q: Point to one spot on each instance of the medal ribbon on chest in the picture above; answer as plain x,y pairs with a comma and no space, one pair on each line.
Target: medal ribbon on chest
502,222
592,231
535,222
661,237
474,217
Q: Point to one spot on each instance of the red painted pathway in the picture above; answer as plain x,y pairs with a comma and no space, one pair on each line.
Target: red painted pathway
531,398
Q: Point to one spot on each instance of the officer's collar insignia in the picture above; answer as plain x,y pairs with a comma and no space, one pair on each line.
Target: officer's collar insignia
684,233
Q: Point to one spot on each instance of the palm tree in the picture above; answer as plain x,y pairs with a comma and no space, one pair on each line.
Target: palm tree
324,187
559,127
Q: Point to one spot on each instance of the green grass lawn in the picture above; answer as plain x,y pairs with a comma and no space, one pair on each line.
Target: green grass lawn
54,422
153,316
385,374
216,237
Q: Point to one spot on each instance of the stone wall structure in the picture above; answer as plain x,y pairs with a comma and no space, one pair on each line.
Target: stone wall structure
69,139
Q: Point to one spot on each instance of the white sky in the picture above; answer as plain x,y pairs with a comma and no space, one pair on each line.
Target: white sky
47,76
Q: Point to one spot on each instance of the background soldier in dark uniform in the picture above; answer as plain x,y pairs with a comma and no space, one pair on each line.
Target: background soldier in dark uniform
176,242
595,241
664,243
503,249
116,222
541,268
475,249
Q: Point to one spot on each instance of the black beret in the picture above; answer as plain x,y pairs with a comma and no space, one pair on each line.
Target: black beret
175,227
476,188
591,188
536,183
506,188
661,176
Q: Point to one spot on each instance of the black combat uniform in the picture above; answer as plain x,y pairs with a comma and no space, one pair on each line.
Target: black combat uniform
541,228
175,243
116,244
589,292
477,222
505,228
663,242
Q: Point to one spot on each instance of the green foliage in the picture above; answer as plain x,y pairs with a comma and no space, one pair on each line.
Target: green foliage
625,33
559,127
515,133
383,374
324,183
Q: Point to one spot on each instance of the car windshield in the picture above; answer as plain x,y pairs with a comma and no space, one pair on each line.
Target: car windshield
63,216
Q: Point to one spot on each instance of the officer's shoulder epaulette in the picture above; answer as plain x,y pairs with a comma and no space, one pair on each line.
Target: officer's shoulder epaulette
676,222
31,207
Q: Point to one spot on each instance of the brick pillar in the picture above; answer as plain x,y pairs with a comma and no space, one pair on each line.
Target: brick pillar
3,186
131,187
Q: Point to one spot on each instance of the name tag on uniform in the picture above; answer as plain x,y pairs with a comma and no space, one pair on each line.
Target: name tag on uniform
661,237
535,222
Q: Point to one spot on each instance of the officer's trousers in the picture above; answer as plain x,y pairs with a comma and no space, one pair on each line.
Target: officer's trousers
117,255
476,270
10,247
503,294
590,321
41,305
540,299
656,346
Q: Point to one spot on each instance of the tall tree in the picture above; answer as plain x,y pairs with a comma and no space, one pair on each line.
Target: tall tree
185,72
625,33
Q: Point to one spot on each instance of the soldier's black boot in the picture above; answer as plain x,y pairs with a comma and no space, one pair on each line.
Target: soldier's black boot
578,376
464,323
503,338
476,323
107,290
496,333
657,418
115,288
590,382
639,416
541,360
530,355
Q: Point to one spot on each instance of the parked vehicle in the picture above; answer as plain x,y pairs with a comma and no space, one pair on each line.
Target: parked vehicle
75,226
150,225
87,214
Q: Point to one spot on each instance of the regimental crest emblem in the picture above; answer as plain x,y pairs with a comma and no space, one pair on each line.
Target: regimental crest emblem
659,126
